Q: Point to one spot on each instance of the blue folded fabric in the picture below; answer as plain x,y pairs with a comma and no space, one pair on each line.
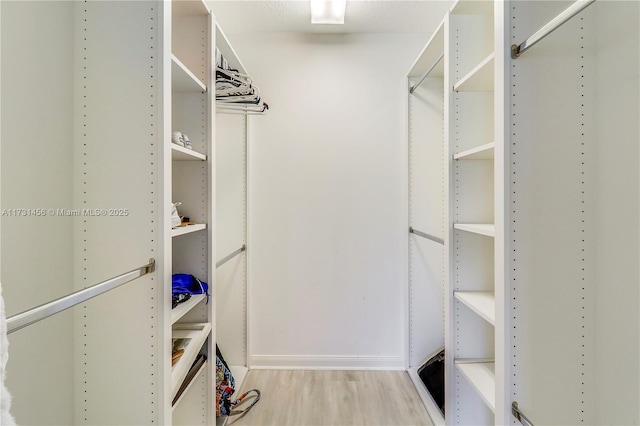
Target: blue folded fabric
188,284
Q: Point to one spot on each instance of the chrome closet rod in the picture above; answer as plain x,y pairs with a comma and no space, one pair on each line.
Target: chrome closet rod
425,235
225,259
31,316
568,13
519,414
415,86
239,111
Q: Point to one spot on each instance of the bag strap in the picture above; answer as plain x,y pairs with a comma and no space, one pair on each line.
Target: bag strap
241,399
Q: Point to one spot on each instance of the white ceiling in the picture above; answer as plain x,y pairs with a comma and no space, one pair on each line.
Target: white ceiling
362,16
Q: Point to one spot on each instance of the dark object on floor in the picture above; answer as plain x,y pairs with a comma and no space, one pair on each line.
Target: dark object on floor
432,375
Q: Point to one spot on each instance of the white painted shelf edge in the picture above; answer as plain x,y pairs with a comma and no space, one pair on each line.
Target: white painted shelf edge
183,80
183,308
487,229
180,153
175,232
482,152
482,303
222,43
467,7
198,374
479,79
432,50
198,333
482,377
190,8
432,409
239,373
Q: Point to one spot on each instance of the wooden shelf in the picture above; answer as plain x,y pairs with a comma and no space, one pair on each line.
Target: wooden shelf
183,308
183,80
479,79
481,375
482,152
180,153
175,232
197,333
487,229
482,303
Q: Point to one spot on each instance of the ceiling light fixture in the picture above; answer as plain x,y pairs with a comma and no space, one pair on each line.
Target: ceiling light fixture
328,11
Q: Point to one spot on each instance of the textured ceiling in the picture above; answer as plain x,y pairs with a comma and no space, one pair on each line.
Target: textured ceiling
362,16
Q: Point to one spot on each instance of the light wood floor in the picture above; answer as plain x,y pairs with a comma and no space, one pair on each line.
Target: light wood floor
332,398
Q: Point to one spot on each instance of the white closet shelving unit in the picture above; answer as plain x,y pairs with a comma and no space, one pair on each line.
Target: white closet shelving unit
190,180
532,243
476,196
113,99
210,182
231,218
472,181
427,211
574,214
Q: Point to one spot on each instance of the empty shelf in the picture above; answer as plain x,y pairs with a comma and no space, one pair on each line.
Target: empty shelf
182,309
183,80
482,303
195,335
433,49
482,152
180,153
479,79
197,375
487,229
188,229
481,375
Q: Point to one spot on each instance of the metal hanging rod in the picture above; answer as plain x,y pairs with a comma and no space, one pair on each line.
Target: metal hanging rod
239,112
415,86
26,318
225,259
568,13
519,414
236,108
424,235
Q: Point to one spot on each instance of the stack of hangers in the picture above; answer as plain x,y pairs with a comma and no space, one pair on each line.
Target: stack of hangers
235,92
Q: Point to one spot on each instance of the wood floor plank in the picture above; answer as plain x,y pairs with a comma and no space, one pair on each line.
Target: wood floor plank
333,398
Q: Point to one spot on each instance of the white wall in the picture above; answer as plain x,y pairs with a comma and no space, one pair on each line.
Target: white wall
327,206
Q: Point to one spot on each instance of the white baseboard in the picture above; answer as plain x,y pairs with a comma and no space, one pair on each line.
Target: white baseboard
327,362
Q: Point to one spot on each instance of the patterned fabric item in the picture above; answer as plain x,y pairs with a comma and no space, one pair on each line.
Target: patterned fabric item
225,387
223,374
